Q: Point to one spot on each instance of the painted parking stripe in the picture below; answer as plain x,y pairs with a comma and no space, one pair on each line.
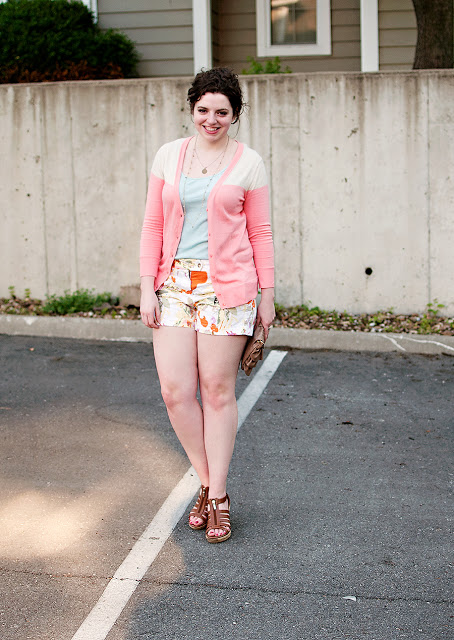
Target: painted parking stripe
131,571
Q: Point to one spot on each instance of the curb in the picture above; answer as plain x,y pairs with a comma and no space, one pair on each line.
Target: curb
134,331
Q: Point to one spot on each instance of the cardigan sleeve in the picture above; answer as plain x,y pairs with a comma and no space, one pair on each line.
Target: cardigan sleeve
257,210
153,224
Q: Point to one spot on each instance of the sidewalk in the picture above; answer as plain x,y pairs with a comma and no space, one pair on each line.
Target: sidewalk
340,487
135,331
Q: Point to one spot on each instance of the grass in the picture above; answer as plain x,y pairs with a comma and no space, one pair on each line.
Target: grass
87,303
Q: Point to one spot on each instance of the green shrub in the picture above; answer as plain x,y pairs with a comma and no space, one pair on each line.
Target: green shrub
48,40
80,300
269,66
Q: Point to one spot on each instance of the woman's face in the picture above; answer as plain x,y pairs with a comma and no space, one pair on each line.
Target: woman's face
213,115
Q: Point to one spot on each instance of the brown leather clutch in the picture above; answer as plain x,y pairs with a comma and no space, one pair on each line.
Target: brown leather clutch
253,351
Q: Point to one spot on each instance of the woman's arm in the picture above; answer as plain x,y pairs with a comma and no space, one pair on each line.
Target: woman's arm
256,208
266,311
150,313
151,249
152,229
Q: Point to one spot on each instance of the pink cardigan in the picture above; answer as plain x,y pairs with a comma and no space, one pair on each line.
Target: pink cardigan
240,246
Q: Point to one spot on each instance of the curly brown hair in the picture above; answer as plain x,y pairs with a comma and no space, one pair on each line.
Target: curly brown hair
217,80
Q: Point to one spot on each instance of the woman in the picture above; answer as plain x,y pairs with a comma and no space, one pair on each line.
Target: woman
206,246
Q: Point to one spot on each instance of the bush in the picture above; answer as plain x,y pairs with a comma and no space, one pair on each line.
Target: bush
49,40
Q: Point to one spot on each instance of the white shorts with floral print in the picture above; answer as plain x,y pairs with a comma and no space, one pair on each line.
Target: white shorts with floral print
187,299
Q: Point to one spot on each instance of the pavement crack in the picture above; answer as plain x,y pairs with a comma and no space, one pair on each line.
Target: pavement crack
294,592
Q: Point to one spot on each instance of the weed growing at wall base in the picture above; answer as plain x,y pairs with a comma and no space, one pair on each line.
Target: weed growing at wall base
268,66
305,317
80,300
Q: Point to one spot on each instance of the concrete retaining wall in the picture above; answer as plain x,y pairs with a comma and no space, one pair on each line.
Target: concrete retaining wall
360,168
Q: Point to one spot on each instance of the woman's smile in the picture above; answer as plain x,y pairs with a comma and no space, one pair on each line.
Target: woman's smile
213,116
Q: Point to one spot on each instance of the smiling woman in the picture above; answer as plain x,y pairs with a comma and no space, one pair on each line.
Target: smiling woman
206,247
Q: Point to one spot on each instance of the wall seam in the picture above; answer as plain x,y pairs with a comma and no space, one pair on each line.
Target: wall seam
75,277
429,243
43,152
300,194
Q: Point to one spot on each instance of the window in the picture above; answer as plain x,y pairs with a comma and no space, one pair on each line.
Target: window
293,28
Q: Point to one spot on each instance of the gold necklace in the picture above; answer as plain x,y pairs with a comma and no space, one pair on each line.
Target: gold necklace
205,167
206,188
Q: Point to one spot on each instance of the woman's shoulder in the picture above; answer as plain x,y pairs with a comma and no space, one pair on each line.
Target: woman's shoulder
249,170
172,146
168,153
250,156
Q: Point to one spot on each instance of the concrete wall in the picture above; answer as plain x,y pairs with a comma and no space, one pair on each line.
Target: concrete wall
360,167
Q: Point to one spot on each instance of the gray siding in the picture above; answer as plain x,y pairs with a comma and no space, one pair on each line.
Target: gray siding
161,29
234,33
397,34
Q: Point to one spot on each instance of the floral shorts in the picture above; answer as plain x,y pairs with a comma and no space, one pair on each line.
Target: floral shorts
187,299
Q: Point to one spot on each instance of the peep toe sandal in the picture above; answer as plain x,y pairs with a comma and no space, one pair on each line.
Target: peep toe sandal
218,519
200,509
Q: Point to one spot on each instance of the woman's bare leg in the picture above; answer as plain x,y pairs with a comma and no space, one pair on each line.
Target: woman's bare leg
175,350
218,358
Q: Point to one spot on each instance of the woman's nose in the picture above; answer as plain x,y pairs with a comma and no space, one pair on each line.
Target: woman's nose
211,117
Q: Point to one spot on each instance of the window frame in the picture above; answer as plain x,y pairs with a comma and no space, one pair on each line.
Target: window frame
263,26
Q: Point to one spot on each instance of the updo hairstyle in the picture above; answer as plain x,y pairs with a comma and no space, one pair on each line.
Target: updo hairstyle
218,80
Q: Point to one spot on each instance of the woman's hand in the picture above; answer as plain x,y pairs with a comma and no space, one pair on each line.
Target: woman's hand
150,312
266,312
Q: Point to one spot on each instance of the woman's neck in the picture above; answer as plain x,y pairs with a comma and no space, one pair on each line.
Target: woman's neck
205,146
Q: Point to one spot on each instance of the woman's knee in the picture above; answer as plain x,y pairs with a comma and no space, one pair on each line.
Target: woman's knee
176,395
217,394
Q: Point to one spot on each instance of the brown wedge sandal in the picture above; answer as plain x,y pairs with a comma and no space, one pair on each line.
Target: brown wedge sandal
218,519
200,509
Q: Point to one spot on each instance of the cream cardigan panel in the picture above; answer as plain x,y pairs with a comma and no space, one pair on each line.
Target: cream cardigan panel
240,246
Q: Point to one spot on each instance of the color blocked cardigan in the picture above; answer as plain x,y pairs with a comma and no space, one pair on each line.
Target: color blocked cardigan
240,246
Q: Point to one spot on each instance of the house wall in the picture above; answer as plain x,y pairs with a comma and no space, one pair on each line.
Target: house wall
162,31
397,34
359,168
237,37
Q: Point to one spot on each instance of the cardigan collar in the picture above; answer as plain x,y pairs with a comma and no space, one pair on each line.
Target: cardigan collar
233,162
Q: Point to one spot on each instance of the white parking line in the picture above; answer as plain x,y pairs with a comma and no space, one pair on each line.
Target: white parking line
126,579
402,337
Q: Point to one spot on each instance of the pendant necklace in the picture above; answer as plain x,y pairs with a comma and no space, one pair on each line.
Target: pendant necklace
205,167
193,223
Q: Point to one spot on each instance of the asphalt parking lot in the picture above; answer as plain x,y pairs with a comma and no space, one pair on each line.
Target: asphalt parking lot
341,487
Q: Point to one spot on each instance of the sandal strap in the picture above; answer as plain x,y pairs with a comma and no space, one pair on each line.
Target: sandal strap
199,510
218,518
